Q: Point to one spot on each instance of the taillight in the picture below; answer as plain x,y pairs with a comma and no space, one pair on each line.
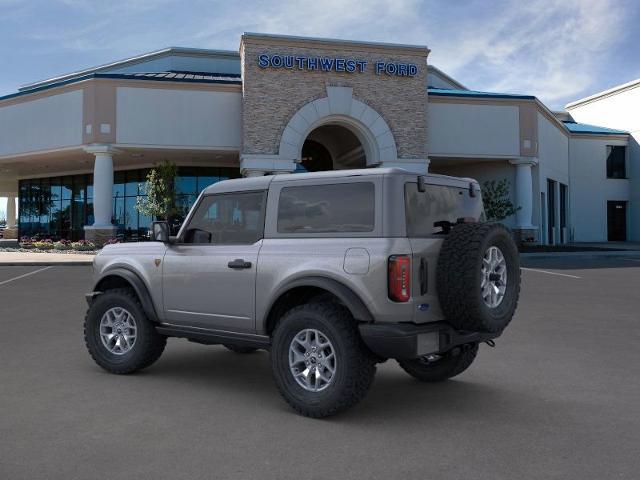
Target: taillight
399,278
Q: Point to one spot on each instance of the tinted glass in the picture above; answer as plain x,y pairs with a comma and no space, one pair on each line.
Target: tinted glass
131,185
616,162
118,184
186,182
347,207
437,204
235,218
67,188
43,209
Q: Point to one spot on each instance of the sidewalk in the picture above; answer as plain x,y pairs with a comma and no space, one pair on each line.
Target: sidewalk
615,245
590,254
44,259
616,249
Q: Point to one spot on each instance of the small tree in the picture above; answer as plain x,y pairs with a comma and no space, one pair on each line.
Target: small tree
160,199
497,205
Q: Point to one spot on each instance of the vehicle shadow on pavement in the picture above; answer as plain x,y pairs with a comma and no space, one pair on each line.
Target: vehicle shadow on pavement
394,394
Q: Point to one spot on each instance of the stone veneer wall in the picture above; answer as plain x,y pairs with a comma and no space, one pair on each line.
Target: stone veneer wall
271,96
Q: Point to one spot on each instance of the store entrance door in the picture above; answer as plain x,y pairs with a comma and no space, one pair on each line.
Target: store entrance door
617,221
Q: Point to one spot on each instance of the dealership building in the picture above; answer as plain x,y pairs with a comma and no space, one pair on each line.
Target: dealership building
75,149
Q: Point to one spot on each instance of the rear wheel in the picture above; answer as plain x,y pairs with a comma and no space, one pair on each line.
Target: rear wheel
119,336
320,364
438,368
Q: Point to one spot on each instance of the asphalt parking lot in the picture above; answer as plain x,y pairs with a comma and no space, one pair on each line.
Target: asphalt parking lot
558,398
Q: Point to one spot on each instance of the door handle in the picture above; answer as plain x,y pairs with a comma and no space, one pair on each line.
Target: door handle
238,264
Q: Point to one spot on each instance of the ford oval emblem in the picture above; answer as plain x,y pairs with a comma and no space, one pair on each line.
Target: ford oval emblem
423,307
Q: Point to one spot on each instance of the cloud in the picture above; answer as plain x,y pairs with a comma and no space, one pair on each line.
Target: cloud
348,19
558,50
548,48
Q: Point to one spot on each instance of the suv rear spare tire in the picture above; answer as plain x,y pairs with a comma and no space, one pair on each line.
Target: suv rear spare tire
478,277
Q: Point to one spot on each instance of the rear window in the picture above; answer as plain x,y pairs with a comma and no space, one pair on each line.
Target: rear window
424,209
338,208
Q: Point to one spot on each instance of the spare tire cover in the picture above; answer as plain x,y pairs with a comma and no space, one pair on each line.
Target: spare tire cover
478,277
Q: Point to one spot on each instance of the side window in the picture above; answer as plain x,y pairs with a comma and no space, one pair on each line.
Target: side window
227,219
338,208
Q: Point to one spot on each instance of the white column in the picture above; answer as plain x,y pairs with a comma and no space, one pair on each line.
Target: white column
524,192
11,211
102,185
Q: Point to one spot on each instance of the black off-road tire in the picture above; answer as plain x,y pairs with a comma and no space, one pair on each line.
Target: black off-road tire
239,349
459,276
148,346
355,364
451,364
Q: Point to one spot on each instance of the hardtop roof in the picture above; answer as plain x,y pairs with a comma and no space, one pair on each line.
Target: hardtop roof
262,183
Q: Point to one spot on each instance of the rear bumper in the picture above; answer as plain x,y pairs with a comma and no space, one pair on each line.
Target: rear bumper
408,340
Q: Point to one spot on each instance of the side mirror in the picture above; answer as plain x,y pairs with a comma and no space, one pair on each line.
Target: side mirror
160,232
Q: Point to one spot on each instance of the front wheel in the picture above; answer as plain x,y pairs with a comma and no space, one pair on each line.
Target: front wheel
119,336
320,364
435,368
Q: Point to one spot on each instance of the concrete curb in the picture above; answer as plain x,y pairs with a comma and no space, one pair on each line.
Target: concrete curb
593,254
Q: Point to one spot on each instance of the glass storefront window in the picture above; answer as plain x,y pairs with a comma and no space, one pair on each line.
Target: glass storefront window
118,213
118,184
204,182
90,186
186,182
79,187
59,207
67,188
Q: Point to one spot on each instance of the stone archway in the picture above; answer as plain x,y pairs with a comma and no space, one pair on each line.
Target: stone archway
339,108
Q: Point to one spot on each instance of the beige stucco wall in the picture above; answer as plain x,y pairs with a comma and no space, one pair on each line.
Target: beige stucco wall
50,122
272,96
183,118
459,129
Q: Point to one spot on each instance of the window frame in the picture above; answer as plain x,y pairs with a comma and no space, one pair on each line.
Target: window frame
201,198
273,204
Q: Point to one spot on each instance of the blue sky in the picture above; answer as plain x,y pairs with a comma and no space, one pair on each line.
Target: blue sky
557,50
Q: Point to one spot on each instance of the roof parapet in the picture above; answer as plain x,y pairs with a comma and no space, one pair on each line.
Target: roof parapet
145,57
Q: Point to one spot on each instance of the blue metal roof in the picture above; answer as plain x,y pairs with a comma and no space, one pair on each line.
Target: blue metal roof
188,77
176,75
575,127
443,92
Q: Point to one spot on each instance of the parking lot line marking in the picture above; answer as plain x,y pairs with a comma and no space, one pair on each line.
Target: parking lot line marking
550,273
25,275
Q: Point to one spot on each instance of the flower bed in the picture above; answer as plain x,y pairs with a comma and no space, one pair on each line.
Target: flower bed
47,245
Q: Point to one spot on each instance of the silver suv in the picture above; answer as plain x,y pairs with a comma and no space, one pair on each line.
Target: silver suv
332,272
